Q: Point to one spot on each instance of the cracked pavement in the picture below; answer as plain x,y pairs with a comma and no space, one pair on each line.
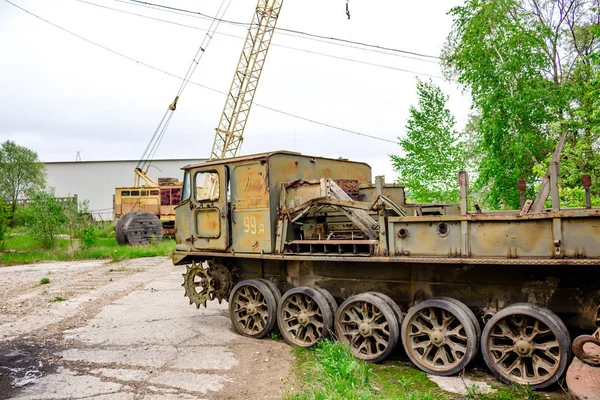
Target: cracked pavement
125,332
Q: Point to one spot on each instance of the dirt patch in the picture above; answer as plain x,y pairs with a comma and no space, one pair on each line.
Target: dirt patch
264,366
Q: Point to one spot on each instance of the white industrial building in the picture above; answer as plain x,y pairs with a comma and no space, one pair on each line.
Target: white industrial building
96,181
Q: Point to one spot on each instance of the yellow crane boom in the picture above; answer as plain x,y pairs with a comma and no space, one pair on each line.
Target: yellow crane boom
229,133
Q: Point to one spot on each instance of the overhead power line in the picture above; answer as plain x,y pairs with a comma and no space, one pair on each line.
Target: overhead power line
192,82
183,10
371,50
286,47
161,129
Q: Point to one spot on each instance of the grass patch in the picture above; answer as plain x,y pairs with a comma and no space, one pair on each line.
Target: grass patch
25,242
58,298
401,380
330,372
105,231
513,392
44,281
25,249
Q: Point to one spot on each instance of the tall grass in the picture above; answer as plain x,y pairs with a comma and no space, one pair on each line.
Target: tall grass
23,248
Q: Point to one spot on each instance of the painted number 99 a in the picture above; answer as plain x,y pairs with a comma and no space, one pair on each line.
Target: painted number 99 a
251,227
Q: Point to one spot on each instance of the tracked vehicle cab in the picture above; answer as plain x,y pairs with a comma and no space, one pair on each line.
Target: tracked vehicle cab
240,215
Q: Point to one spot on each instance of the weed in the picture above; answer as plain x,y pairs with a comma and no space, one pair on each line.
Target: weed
275,334
45,292
330,371
88,237
401,380
514,391
58,298
44,281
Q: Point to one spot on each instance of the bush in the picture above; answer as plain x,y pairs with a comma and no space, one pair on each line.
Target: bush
88,237
23,217
45,218
79,223
3,221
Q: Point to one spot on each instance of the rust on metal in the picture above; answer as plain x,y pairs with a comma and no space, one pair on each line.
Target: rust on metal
583,375
579,349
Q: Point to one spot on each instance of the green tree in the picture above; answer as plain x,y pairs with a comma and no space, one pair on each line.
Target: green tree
46,218
21,173
492,54
432,150
526,65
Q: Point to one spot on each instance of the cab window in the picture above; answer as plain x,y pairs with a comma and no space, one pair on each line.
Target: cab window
185,194
207,186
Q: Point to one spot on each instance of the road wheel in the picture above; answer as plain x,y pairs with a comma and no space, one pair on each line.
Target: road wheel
439,336
252,308
368,325
304,316
330,299
394,306
274,289
526,344
471,316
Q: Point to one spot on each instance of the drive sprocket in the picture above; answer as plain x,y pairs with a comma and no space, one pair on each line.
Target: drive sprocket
198,284
222,281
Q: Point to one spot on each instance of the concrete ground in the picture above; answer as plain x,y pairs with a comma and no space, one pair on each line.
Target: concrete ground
125,331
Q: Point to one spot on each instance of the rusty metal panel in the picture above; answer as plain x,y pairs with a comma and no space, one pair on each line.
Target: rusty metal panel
394,192
250,185
250,214
426,239
302,192
208,222
210,212
581,237
511,239
184,226
251,231
350,186
290,167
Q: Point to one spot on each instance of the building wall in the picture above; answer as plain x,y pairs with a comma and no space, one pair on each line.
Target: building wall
96,181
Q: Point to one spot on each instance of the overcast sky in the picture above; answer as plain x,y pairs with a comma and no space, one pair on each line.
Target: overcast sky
62,95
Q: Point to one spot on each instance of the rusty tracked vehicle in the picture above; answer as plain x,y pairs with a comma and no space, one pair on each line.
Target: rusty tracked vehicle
352,257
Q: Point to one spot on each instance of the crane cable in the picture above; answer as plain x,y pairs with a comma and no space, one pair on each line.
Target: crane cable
159,133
